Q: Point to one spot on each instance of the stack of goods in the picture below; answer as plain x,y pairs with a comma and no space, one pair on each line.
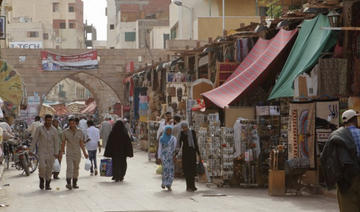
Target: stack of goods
213,146
250,144
202,140
227,143
199,120
152,141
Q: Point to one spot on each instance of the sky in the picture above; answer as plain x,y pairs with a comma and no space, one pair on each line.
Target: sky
94,13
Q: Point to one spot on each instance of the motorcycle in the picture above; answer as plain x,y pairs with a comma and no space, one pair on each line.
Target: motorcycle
24,159
8,148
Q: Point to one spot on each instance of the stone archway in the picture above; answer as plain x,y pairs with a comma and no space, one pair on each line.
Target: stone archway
111,69
103,94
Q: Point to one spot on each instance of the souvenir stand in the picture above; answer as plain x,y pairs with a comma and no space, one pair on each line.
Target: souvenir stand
153,127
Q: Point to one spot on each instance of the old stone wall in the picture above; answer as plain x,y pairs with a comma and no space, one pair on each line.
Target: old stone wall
111,71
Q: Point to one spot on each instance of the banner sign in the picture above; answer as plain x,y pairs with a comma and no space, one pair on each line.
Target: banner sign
26,45
55,62
302,132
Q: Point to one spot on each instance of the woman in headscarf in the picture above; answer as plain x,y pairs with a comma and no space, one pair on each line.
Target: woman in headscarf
190,148
166,152
119,147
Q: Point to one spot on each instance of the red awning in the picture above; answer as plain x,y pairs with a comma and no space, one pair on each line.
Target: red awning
90,108
256,63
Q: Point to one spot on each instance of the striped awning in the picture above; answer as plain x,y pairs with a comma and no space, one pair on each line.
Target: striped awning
256,63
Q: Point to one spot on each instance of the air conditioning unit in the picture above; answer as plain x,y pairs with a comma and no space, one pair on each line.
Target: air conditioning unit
58,40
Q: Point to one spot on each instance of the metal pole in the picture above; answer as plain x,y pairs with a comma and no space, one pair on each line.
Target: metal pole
223,13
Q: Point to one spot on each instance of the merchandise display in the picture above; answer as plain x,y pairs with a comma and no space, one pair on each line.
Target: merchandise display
153,127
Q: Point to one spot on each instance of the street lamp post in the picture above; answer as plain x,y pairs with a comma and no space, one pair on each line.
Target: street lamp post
180,4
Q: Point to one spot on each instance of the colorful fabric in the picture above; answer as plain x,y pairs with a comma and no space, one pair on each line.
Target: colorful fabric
11,87
355,132
301,132
167,159
256,64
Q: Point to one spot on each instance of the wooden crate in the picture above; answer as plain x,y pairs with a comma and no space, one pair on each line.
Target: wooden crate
276,183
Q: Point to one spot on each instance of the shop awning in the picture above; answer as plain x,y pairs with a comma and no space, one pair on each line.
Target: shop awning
11,86
90,108
310,43
257,62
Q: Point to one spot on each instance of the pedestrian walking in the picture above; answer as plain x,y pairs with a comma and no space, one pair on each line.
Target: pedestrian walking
93,139
340,160
83,125
119,147
73,139
177,127
166,152
34,126
105,130
190,148
55,124
46,139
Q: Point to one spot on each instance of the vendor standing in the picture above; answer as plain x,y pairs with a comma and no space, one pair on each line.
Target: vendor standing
47,141
73,139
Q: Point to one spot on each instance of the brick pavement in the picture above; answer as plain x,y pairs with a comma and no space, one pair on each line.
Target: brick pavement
141,192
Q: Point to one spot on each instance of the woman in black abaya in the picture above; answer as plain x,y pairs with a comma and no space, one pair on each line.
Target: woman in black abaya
119,147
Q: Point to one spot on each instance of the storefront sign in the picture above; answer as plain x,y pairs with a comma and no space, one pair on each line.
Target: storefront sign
26,45
130,67
55,62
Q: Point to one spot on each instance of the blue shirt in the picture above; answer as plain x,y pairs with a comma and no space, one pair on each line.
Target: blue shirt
356,136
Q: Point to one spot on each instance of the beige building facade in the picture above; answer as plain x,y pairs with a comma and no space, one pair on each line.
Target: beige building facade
68,91
130,22
44,24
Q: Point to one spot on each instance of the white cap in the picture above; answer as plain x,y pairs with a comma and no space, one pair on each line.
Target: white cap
349,114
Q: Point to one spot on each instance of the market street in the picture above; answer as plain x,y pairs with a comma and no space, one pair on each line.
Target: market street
141,192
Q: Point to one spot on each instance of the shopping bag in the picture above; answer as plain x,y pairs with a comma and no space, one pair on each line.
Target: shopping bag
56,166
200,168
109,168
106,168
159,169
87,165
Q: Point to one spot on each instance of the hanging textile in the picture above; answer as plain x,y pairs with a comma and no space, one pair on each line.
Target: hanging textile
301,132
310,43
333,77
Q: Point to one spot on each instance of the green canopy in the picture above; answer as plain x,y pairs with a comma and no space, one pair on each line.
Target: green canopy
310,43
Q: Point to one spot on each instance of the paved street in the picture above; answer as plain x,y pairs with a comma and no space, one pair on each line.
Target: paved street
141,192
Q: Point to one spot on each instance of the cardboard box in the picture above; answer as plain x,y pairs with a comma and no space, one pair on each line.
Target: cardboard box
277,185
233,113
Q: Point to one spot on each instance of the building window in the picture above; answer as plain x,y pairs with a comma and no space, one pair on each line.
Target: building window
173,33
71,8
56,7
112,47
33,34
46,36
72,25
166,37
130,36
112,26
62,25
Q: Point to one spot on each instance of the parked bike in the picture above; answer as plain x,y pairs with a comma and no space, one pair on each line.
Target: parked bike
23,159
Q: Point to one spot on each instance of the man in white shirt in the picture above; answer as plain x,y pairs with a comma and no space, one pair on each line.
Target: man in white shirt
34,126
83,125
92,143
